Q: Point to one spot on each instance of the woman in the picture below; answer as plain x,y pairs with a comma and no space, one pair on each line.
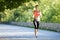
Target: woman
36,16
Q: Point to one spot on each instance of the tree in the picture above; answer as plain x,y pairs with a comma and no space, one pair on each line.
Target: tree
10,4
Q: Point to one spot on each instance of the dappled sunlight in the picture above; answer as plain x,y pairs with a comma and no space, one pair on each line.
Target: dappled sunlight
23,13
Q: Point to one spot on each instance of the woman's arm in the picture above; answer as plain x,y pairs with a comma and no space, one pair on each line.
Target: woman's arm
40,14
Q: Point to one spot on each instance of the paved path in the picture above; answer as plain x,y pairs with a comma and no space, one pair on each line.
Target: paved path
10,31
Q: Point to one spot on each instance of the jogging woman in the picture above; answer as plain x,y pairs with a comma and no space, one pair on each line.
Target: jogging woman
36,17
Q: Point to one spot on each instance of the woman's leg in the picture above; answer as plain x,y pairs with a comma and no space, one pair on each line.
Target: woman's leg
35,24
36,28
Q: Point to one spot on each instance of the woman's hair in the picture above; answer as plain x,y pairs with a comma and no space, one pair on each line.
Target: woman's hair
36,5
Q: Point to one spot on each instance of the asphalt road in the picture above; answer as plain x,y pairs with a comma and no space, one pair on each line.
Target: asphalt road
11,31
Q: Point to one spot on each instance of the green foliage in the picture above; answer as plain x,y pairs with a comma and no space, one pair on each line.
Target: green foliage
22,10
10,4
50,10
2,6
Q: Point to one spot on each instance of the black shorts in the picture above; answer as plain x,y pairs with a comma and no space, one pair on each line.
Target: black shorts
36,23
